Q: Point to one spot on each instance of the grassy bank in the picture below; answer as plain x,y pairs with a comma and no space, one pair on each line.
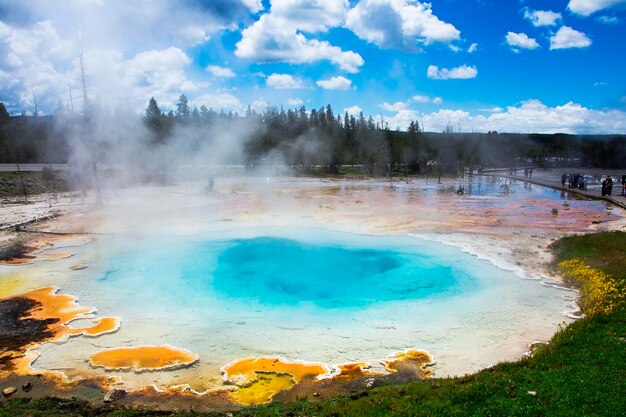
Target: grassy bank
581,372
11,185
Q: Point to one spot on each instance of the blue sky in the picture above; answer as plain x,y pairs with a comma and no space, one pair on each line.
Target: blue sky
520,66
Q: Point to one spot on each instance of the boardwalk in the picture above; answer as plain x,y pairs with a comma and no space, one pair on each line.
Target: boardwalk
552,179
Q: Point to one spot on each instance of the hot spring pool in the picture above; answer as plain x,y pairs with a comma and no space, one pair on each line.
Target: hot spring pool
310,295
284,273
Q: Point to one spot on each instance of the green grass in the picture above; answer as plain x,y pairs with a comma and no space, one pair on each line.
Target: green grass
11,185
581,372
604,251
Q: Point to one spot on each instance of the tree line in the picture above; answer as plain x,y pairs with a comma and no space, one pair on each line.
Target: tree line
305,140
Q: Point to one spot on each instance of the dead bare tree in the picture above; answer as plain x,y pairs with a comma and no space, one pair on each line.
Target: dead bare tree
87,124
10,147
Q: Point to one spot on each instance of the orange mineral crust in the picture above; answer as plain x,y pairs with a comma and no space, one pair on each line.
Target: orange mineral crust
260,379
244,371
30,257
79,266
34,249
42,316
54,256
354,370
64,308
143,358
418,358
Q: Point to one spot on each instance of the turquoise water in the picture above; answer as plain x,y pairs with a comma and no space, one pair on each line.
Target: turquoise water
301,294
282,272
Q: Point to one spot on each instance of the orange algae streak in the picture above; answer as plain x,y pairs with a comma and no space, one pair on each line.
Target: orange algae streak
143,358
56,256
103,325
354,370
78,266
64,308
419,358
245,371
29,259
53,305
25,259
260,379
56,311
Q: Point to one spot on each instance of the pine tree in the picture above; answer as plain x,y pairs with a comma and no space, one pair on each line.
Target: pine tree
153,111
4,114
182,108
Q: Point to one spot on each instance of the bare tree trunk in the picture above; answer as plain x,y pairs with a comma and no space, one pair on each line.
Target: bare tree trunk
86,121
54,184
17,164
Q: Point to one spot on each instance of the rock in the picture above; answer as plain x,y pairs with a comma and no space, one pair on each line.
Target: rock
533,393
114,395
9,391
316,394
357,395
27,386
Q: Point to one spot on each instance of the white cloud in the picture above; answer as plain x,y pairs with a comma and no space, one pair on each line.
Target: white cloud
36,60
219,101
566,37
353,110
259,105
283,81
221,72
335,83
311,15
534,116
273,39
425,99
542,17
157,73
403,105
496,109
608,20
587,7
520,40
395,107
400,24
454,48
463,72
39,48
295,102
530,116
472,48
254,5
129,26
400,120
420,99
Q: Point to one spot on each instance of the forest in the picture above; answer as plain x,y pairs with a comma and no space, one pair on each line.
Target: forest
306,141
